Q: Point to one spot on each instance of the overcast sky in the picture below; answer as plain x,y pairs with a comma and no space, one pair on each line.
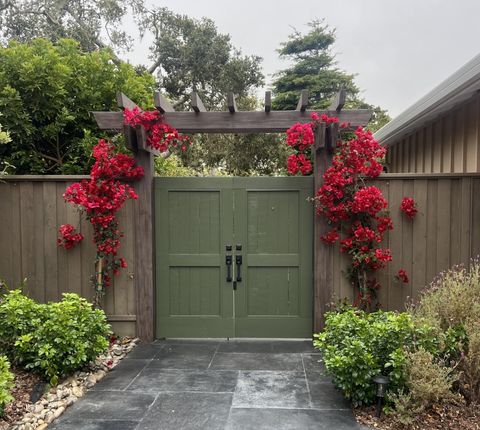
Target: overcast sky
399,49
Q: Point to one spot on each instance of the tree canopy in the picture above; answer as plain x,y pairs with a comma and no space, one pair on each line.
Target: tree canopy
94,24
47,92
314,68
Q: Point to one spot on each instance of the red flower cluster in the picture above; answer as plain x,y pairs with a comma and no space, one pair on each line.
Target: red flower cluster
368,200
160,135
67,236
102,196
402,276
300,138
299,163
409,207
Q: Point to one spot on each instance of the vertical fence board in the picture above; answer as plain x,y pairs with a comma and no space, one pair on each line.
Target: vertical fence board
419,239
407,240
17,276
62,254
50,236
444,222
395,240
475,214
6,239
39,244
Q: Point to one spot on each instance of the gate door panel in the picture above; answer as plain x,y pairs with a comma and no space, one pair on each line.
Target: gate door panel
273,223
194,219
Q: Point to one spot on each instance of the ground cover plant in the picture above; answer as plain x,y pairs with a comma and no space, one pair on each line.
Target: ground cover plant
52,339
431,352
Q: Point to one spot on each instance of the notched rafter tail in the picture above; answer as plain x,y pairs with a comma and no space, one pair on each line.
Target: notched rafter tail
231,103
124,102
338,101
196,103
268,101
162,104
303,102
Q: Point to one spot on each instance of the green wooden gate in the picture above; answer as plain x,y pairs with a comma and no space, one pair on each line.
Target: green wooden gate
234,257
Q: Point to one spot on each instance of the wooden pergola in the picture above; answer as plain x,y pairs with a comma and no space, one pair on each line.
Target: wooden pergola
199,120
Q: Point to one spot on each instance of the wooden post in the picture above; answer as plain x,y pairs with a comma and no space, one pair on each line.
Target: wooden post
144,243
322,253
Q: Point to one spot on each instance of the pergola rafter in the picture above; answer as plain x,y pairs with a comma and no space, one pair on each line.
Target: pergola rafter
199,120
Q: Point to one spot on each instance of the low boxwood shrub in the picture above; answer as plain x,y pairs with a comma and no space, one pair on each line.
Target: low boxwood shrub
357,345
53,339
6,384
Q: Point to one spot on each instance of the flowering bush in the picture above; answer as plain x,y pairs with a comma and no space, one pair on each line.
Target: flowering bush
160,135
67,236
100,198
409,207
355,211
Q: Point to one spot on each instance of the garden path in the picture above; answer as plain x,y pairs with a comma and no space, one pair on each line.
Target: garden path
214,384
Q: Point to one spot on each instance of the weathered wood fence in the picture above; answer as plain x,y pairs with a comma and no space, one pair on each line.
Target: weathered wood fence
31,210
445,232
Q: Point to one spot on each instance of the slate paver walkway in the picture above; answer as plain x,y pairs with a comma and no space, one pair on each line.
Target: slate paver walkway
210,385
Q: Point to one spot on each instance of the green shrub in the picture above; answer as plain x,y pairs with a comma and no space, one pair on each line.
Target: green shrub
6,383
53,339
357,346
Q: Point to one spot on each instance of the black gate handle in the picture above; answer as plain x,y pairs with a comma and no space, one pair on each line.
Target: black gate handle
228,262
238,260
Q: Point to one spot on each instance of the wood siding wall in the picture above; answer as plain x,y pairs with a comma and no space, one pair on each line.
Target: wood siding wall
450,144
445,232
30,213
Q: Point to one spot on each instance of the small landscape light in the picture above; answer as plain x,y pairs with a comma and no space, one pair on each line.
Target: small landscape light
382,384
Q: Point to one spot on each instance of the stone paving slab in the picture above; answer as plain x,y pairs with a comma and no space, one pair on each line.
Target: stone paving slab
82,424
208,411
289,419
214,384
260,389
152,380
256,361
122,376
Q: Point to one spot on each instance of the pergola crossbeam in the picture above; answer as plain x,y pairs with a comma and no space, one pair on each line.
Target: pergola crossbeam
241,122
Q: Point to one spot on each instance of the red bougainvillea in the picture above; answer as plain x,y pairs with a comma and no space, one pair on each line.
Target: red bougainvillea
402,276
160,135
409,207
356,212
100,198
67,236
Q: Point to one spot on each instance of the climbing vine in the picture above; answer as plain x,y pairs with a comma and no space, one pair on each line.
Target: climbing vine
357,213
100,198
